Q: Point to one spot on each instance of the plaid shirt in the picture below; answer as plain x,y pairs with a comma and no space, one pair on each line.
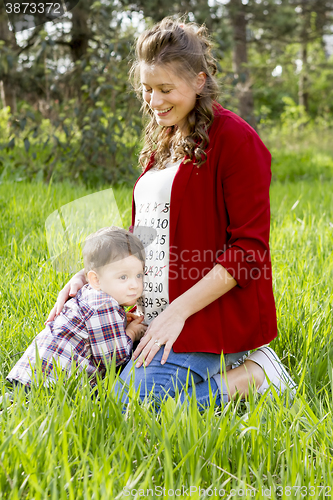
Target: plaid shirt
89,331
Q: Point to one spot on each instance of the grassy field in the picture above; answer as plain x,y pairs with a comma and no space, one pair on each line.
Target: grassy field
63,444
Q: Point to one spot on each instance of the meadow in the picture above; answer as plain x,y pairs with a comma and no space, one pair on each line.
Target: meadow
61,443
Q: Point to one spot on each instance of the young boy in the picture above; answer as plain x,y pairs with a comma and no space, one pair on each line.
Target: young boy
91,328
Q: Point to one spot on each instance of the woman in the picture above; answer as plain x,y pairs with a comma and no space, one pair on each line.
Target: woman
205,189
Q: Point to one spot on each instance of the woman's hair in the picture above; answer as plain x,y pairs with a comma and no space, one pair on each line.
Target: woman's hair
110,244
187,49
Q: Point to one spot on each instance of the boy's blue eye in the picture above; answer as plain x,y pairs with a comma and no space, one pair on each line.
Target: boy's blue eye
123,277
140,275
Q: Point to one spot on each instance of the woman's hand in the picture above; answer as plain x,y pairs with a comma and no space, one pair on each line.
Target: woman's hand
165,330
69,290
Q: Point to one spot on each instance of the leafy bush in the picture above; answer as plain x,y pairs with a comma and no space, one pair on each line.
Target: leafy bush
104,150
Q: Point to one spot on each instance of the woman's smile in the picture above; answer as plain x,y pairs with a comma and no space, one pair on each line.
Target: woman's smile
163,112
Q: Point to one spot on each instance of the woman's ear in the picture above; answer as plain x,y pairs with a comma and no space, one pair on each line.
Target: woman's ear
93,279
201,80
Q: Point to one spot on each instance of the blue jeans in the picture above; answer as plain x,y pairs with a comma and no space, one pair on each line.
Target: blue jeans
177,374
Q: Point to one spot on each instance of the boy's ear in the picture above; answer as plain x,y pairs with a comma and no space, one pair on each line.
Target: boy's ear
93,280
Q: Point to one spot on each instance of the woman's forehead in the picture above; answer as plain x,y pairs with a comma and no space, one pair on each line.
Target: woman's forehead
158,74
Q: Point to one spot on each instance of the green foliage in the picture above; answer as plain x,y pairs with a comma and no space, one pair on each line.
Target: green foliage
89,126
104,149
78,118
301,147
273,93
4,125
63,443
293,116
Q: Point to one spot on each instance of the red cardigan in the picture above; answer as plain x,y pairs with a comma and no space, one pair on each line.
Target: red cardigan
220,213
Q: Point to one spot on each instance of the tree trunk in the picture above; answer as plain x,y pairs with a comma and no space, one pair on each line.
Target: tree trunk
303,94
80,32
8,76
10,94
240,61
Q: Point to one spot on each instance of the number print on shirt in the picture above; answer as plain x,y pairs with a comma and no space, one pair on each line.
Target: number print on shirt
154,213
156,205
152,210
148,286
157,255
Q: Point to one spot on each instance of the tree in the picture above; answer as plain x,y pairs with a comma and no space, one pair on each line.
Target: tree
8,52
314,18
93,120
279,24
238,18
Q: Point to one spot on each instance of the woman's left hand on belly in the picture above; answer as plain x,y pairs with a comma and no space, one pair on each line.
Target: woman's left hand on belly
162,332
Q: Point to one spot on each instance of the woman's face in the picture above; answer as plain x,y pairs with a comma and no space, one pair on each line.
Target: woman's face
171,98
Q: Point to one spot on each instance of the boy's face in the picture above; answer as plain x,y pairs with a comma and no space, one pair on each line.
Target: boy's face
123,280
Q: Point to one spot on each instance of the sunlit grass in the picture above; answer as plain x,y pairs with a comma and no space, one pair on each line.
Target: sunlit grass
62,443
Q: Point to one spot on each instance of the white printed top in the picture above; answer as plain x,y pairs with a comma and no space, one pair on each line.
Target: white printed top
152,209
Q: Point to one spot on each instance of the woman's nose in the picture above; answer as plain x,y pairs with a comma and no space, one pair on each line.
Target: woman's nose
155,100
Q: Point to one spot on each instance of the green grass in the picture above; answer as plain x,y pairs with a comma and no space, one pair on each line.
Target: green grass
63,444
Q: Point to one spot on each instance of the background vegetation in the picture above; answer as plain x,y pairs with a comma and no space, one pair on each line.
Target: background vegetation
72,113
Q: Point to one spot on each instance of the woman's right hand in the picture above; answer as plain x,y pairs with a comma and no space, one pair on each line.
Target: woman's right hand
69,290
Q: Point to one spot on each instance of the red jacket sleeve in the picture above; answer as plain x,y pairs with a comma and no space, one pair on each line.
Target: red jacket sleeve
246,180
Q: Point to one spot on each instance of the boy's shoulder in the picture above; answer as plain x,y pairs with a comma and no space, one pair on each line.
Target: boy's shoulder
96,299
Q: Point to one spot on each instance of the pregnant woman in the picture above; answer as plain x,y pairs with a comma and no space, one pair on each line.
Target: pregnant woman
205,190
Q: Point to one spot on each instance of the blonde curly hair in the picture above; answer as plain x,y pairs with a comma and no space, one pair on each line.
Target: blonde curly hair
185,46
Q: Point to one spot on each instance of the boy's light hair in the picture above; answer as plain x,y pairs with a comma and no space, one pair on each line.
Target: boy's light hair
110,244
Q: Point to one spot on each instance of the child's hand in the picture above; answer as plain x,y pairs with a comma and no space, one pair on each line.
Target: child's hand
141,332
130,316
135,330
